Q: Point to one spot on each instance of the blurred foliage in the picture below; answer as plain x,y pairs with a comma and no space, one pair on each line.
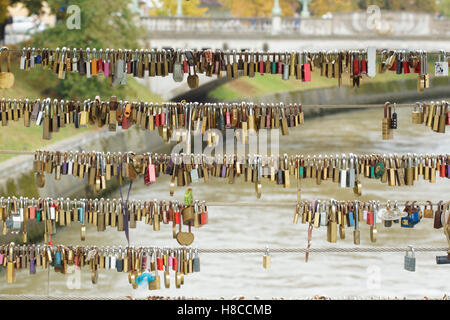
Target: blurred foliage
33,6
320,7
444,7
397,5
258,8
102,26
190,8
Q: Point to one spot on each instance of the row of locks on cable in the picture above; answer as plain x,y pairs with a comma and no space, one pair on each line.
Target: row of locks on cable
176,121
116,64
434,115
173,121
340,215
346,170
101,213
143,264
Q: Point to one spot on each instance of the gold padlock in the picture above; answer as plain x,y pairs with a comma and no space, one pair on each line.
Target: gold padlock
266,259
155,284
10,270
188,215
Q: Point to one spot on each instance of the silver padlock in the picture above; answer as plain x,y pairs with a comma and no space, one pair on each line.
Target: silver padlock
351,173
410,260
343,173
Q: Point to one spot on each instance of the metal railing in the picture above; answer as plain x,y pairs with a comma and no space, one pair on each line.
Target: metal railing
344,24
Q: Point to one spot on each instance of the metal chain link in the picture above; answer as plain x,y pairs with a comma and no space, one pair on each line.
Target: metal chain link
321,250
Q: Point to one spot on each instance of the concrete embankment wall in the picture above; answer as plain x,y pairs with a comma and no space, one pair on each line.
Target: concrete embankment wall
18,179
368,93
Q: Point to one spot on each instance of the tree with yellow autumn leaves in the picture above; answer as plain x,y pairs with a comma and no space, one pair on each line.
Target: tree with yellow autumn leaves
169,8
259,8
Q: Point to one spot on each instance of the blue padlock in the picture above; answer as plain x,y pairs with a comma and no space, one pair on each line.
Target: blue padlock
414,218
57,259
405,223
351,220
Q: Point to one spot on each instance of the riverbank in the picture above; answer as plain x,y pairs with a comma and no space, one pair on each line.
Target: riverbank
18,179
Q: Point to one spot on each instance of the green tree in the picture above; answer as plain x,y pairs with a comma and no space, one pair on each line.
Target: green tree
444,7
102,26
190,8
33,6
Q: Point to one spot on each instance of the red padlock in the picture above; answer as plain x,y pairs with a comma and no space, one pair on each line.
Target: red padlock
355,67
306,72
443,170
204,216
185,66
363,66
160,263
157,119
406,67
370,218
417,68
163,119
100,65
177,217
175,264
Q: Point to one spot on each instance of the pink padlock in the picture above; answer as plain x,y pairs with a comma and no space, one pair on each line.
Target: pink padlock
31,213
106,66
227,119
170,261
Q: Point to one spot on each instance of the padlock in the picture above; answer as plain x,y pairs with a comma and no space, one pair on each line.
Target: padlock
266,259
394,122
188,215
155,284
428,212
410,260
196,262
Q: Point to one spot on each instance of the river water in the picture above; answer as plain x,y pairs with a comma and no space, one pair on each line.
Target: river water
335,275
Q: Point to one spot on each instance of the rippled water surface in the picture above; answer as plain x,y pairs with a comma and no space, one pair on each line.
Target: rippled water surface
336,275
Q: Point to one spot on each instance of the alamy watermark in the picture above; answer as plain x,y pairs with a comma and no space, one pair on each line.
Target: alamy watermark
74,19
231,143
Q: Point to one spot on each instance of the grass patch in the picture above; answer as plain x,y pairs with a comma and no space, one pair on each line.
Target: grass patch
245,87
34,85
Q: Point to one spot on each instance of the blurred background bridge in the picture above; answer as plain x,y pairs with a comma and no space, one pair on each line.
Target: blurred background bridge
352,30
